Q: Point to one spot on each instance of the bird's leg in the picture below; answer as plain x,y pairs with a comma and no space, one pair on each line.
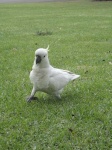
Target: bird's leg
57,94
31,97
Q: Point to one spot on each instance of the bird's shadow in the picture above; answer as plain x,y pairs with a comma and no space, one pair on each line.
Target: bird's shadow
65,97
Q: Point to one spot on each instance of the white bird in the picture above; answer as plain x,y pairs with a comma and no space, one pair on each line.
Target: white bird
46,78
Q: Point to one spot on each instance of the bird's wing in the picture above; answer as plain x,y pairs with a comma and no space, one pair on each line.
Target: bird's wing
71,75
59,78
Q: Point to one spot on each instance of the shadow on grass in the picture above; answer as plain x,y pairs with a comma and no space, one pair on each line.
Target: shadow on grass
65,97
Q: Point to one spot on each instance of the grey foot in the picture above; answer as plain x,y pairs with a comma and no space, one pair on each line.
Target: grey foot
29,99
58,96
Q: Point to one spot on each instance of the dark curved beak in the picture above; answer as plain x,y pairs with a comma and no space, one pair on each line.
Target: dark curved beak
38,59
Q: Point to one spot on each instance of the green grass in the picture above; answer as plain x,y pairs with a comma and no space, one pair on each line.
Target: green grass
80,39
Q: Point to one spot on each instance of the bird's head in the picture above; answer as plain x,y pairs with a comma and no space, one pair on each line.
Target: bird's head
41,57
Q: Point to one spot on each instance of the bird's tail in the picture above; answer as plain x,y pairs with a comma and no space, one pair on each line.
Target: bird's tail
75,77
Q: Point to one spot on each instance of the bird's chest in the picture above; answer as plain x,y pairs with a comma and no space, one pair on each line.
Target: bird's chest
40,79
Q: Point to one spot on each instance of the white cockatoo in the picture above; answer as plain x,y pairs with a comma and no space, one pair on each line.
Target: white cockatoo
46,78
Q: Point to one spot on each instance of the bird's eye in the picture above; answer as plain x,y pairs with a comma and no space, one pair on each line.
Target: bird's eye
44,56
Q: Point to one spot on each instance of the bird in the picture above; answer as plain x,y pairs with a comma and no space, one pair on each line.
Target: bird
46,78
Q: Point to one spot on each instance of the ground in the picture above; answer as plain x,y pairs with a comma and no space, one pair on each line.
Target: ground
27,1
79,36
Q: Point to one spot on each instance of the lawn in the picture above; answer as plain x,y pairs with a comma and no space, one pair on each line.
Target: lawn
80,38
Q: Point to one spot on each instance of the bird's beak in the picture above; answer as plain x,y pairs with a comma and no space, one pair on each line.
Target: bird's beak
38,59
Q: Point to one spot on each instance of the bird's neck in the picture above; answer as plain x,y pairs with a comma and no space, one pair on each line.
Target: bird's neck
44,64
41,65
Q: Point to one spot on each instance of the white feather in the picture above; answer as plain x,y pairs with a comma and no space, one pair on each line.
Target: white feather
48,79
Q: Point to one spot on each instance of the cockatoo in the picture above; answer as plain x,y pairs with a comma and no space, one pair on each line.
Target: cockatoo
46,78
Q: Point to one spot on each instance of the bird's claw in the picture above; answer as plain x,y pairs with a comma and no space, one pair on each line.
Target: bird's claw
29,99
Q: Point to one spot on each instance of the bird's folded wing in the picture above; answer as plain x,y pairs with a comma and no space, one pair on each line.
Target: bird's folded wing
59,78
71,74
